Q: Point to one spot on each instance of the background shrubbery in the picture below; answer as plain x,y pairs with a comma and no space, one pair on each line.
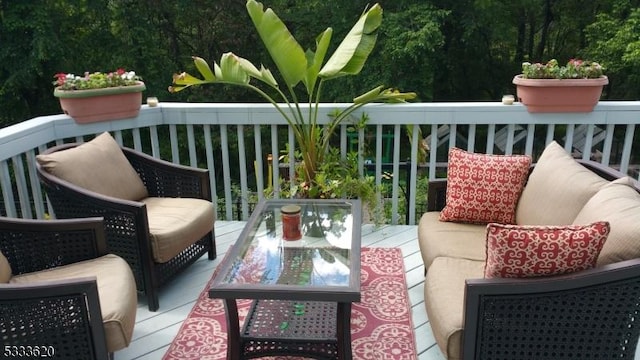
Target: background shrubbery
444,50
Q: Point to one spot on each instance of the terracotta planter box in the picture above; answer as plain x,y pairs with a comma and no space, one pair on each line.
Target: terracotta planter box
87,106
559,95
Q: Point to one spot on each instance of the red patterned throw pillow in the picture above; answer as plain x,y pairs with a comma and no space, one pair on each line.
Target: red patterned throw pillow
529,251
484,188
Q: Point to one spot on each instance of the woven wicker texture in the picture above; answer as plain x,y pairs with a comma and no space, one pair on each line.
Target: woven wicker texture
169,181
61,318
58,325
277,327
586,324
20,245
126,224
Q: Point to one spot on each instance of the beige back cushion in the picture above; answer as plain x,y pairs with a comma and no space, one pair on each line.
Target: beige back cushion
98,165
619,204
557,189
5,269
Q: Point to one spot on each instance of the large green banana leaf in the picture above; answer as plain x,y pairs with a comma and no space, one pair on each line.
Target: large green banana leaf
285,51
315,59
353,51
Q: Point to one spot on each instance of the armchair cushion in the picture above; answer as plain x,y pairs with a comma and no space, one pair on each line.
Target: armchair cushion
619,204
484,188
557,189
444,300
97,165
177,223
5,269
116,290
528,251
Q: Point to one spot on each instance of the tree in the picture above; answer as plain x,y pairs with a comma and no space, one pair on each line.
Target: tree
614,39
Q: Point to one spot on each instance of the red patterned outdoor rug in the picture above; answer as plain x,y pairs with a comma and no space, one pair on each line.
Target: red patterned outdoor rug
381,326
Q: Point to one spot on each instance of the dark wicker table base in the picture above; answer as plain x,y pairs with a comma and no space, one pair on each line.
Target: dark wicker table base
314,329
278,327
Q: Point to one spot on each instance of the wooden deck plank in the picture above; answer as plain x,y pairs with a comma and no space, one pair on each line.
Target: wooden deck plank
154,331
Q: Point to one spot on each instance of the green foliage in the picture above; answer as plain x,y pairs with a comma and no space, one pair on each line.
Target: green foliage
442,49
96,80
575,69
337,177
614,39
296,66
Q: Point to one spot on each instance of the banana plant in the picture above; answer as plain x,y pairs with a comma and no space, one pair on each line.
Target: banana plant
297,66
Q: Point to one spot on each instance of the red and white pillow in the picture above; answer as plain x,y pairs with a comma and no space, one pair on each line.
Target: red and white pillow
529,251
484,188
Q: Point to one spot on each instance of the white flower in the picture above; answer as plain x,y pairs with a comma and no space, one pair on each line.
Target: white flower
128,75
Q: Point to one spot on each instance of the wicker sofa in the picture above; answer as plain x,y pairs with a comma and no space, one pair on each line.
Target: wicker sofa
588,314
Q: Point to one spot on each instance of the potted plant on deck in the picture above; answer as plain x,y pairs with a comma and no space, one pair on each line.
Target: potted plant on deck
99,96
307,68
576,87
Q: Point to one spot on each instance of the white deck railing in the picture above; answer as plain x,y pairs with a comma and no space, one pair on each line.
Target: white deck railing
229,140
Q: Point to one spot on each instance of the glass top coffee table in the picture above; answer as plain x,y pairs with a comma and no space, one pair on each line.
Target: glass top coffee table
302,290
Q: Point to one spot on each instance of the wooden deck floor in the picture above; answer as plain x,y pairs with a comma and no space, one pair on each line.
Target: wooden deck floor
154,331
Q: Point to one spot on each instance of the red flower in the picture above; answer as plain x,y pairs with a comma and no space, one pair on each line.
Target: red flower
120,71
60,78
575,62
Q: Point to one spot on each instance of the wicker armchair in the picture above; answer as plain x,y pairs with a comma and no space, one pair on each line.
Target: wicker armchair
127,222
591,314
45,310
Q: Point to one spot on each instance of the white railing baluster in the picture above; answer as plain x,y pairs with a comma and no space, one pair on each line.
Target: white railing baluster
550,132
36,190
275,161
528,147
453,134
242,164
173,140
21,186
378,164
137,141
608,143
7,190
626,148
433,146
155,143
259,164
471,140
414,171
210,164
226,173
491,138
191,146
568,140
588,142
397,131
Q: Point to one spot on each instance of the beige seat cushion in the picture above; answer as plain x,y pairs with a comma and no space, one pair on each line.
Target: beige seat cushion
116,290
444,300
458,240
557,189
177,223
619,204
5,269
97,165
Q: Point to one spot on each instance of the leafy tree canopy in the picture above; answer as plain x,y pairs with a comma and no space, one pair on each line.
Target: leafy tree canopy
444,50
